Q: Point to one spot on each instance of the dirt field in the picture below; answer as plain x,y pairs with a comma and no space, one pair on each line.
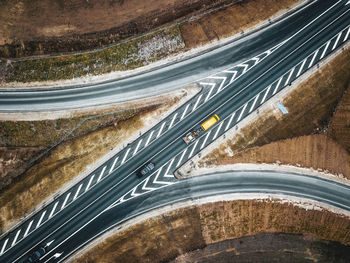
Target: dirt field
231,20
313,151
46,27
269,248
339,128
311,107
23,192
162,238
130,54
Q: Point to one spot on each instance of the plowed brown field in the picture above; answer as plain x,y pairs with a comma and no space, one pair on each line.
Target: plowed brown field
164,237
231,20
39,27
314,151
339,128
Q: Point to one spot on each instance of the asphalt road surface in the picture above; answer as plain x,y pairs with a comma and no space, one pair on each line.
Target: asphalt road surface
247,74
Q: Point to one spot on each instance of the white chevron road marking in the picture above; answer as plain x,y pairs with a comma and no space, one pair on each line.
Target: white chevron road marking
4,246
28,228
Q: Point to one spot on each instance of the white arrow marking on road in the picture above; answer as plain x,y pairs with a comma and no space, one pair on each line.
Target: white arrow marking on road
222,83
114,162
3,247
167,170
182,156
41,219
240,116
57,255
137,147
133,192
267,91
49,243
252,107
195,105
336,41
229,122
347,35
29,226
184,113
126,154
211,89
144,185
104,168
173,119
161,128
77,192
53,209
67,196
245,67
256,61
149,138
14,241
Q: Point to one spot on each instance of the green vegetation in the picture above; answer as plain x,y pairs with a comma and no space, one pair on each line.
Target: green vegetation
125,56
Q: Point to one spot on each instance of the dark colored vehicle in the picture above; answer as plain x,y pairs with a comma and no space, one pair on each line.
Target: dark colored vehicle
145,169
35,257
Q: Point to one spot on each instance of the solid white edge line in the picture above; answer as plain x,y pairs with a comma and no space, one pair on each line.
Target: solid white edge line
240,116
172,121
313,58
194,147
53,209
196,104
205,140
125,155
319,16
277,86
114,162
149,138
181,157
229,122
161,129
217,131
104,168
28,228
4,246
325,49
137,147
347,35
255,100
337,40
301,67
15,239
67,196
41,219
77,192
184,113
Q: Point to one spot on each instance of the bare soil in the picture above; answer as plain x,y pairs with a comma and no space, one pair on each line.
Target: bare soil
170,235
311,107
46,27
231,20
14,158
313,151
339,128
269,247
22,193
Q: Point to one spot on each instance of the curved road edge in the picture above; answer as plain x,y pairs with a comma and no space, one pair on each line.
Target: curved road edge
300,189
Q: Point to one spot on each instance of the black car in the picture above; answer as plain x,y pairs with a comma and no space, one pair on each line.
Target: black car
36,255
145,169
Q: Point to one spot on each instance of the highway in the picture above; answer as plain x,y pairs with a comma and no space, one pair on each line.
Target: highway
267,62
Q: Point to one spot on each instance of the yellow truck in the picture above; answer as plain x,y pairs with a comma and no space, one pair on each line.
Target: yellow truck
191,136
210,122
